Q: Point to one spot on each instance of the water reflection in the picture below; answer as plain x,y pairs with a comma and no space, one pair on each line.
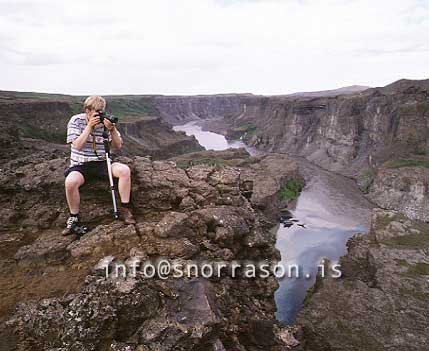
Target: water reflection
330,219
210,140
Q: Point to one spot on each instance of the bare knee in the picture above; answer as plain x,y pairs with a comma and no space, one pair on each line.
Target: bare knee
74,180
123,171
126,172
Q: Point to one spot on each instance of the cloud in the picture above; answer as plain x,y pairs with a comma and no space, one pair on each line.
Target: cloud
207,46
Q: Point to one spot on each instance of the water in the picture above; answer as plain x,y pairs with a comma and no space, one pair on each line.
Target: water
210,140
330,207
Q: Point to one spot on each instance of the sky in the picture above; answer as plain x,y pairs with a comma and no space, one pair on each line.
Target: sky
188,47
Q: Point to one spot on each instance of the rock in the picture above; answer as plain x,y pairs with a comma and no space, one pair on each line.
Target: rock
50,246
286,335
404,189
380,301
104,235
104,266
266,178
179,218
218,346
172,225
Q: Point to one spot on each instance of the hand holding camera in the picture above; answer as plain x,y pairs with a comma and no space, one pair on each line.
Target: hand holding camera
94,120
107,120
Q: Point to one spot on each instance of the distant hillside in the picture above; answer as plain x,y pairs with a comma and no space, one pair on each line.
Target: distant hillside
345,90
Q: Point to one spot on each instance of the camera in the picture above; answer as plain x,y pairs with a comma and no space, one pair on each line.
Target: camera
103,115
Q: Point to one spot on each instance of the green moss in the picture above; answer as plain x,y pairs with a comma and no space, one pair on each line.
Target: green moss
367,179
77,107
182,164
411,241
423,107
407,163
414,270
122,107
308,296
200,161
291,190
248,128
402,263
382,222
38,133
418,269
32,95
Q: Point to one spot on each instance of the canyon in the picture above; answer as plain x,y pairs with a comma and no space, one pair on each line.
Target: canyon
376,138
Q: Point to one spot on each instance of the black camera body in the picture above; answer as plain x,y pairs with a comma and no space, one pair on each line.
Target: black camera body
103,115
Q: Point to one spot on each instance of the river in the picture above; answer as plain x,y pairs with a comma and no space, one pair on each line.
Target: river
332,209
328,212
212,141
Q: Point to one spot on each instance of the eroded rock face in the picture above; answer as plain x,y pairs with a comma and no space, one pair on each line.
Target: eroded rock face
381,301
346,133
152,136
181,109
261,177
404,189
63,299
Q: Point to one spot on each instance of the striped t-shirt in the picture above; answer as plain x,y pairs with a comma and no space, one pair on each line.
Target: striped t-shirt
75,128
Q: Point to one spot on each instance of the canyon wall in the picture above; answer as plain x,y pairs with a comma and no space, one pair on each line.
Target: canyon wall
344,133
45,121
181,109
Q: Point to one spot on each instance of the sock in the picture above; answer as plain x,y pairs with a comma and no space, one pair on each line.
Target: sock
74,215
126,204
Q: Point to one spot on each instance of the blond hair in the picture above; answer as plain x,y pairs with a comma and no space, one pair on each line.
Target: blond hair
94,103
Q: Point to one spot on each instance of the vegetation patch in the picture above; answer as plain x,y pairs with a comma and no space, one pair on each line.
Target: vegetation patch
383,222
38,133
407,163
200,161
414,270
291,190
368,177
248,128
418,269
423,107
129,107
411,241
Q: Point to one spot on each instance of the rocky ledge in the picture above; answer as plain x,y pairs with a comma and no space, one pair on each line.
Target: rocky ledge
381,302
404,189
55,294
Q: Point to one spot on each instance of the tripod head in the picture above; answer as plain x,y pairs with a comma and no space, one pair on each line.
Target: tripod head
106,141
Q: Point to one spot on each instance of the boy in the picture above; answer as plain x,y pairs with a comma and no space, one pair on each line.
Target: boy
88,160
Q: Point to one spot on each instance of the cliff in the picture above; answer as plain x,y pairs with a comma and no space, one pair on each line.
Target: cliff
344,133
181,109
53,290
403,187
381,301
152,136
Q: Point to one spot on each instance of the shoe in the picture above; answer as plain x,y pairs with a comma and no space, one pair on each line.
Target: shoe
127,216
71,222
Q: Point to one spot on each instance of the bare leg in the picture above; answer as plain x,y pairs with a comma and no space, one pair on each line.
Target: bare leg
73,181
123,172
